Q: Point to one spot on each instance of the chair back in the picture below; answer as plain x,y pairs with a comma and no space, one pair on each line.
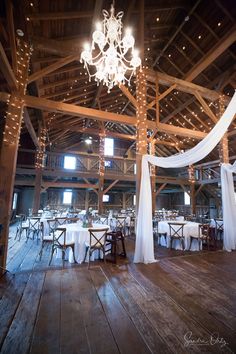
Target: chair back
97,237
204,230
51,225
103,219
72,220
59,237
176,229
34,223
61,221
219,225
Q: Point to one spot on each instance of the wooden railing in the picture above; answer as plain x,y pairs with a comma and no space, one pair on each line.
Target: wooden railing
84,163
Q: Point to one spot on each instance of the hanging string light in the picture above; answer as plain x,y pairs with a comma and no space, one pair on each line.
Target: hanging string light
191,174
115,59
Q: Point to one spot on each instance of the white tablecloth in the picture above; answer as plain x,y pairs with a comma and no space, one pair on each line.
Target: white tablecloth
190,228
76,233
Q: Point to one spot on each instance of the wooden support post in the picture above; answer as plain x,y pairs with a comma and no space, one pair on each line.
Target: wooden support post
224,143
101,172
86,201
153,176
9,148
192,199
123,200
141,88
39,165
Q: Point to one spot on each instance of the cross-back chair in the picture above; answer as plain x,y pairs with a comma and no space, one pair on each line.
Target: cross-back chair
121,224
34,227
60,243
47,238
203,235
176,232
22,226
61,221
97,241
219,228
115,239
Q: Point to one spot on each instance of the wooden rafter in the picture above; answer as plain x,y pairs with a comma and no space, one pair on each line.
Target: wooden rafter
6,69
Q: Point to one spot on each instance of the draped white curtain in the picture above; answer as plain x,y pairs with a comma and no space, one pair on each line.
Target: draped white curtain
228,205
144,250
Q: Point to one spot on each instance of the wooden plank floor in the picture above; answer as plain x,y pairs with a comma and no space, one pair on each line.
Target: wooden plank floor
185,303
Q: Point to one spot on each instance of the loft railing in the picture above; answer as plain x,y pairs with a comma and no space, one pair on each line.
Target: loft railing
84,162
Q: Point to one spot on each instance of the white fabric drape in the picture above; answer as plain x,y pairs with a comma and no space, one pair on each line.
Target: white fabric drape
144,251
229,206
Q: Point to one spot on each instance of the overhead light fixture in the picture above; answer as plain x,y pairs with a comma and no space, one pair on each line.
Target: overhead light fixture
113,56
20,32
88,141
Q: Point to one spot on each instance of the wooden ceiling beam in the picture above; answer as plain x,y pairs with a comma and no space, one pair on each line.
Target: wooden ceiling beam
60,107
30,128
172,129
127,93
205,107
11,33
56,47
224,43
182,85
48,69
7,70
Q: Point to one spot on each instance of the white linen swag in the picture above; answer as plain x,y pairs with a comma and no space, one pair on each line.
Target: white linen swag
144,248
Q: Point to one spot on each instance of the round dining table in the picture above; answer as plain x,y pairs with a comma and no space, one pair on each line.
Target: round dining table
190,229
80,235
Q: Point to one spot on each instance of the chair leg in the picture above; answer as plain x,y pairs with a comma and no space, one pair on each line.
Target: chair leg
190,243
73,250
86,251
171,243
199,244
182,240
52,252
123,246
41,251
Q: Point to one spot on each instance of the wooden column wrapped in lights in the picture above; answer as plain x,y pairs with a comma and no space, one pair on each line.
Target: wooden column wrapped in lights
101,171
153,175
39,166
191,178
9,148
141,114
224,143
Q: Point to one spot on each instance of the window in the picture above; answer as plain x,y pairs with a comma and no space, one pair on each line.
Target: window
108,164
134,199
67,197
109,147
105,198
186,198
14,202
70,162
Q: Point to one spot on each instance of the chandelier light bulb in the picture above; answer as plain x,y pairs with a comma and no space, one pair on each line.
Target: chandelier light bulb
113,57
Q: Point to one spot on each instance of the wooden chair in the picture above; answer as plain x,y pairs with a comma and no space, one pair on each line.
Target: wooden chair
22,226
176,232
60,243
46,239
61,221
121,224
219,229
72,220
157,233
113,240
97,241
34,227
203,235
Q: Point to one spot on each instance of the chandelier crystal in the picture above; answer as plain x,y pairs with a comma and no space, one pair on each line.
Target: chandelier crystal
113,56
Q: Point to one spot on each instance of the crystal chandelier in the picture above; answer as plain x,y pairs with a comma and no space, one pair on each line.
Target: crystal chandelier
114,58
